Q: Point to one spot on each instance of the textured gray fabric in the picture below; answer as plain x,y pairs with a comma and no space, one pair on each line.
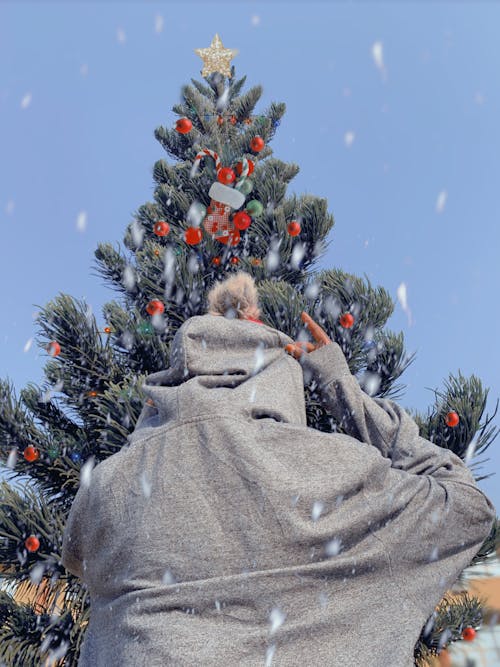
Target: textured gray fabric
227,532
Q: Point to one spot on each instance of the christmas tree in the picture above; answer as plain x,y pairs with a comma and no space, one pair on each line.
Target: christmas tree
220,208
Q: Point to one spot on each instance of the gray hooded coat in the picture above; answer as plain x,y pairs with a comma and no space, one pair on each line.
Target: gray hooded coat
228,532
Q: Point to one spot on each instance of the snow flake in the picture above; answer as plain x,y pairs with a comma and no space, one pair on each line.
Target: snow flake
317,509
349,138
158,23
120,35
26,101
255,20
277,618
378,57
333,547
81,221
441,201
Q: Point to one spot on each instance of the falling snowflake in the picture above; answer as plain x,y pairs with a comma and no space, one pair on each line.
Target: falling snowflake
277,618
255,20
120,35
158,23
349,138
26,101
316,510
81,221
441,201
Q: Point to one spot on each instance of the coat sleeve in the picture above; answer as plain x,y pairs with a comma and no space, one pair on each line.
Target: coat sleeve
425,508
72,554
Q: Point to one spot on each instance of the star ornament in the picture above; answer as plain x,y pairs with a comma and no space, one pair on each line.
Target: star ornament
216,58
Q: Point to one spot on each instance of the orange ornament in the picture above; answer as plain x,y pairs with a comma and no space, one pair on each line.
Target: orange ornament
155,307
32,543
468,634
452,419
257,144
216,261
233,120
256,261
247,121
53,348
234,260
107,329
293,228
31,453
220,120
346,320
156,252
193,235
161,228
92,393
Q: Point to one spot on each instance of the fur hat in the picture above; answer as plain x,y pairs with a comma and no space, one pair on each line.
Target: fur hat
235,296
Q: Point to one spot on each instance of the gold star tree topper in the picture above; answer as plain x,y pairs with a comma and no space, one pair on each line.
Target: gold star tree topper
216,58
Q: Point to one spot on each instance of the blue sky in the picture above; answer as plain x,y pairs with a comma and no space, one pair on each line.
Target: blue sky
392,115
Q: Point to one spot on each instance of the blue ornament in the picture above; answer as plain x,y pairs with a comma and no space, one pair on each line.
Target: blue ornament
276,122
75,457
207,116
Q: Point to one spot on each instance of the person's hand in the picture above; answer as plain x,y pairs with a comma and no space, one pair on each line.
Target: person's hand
298,348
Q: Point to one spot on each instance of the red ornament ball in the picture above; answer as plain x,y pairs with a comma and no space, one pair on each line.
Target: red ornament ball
161,228
53,348
468,634
346,320
220,120
193,235
452,419
32,543
107,330
239,167
184,125
234,260
293,228
241,220
233,120
155,307
257,144
226,175
216,261
31,453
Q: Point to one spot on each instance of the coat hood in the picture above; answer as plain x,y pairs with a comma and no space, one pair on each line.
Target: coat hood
220,363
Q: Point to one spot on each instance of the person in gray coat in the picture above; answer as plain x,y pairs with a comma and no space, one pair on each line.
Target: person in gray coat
228,532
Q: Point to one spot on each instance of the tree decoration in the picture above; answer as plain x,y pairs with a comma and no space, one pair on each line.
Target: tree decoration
31,453
216,58
293,228
223,200
346,320
239,167
241,220
234,260
107,330
155,307
161,228
184,125
216,261
452,419
257,144
468,634
193,235
53,348
226,175
32,543
254,208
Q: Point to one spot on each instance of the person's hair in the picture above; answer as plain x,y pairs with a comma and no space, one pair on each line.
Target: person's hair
235,296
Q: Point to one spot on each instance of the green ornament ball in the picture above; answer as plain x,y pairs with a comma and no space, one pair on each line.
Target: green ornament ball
246,187
254,208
